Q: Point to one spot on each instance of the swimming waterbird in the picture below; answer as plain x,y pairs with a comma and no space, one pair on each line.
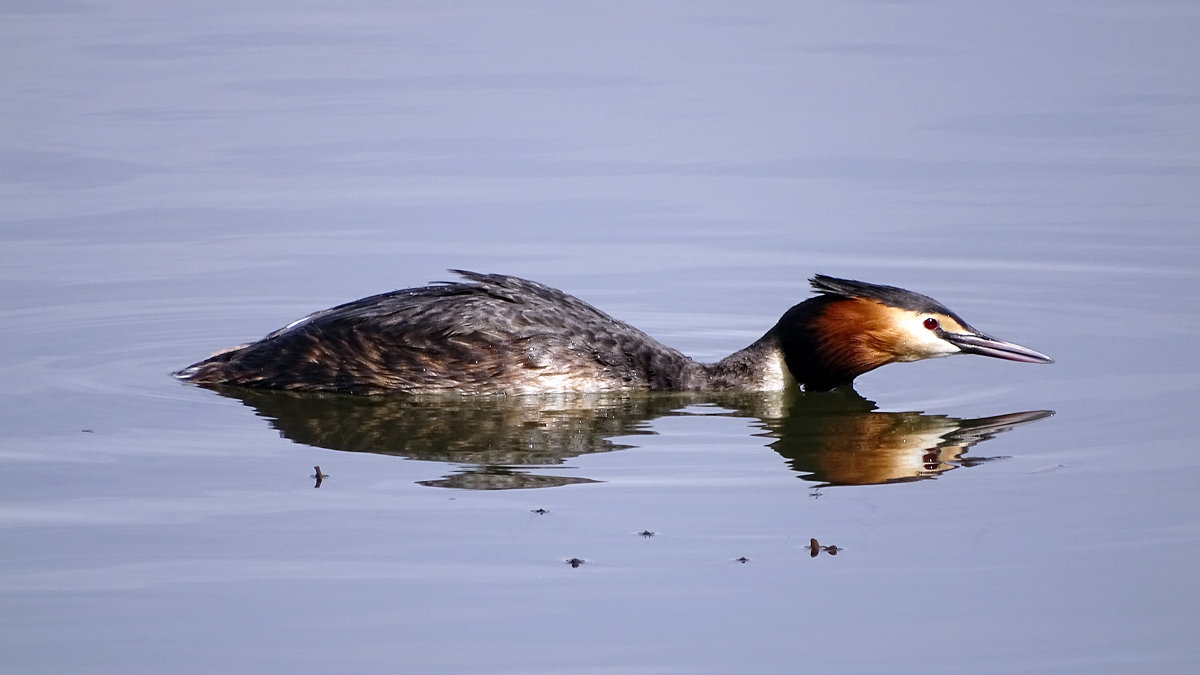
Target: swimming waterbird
498,334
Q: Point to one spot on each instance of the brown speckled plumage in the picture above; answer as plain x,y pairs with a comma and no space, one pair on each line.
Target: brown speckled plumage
490,334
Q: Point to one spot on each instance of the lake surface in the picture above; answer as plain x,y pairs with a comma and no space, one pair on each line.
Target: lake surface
176,178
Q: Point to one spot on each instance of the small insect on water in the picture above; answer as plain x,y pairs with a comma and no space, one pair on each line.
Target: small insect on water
575,562
815,548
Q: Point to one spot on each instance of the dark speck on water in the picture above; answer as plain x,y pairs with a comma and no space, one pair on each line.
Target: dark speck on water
815,548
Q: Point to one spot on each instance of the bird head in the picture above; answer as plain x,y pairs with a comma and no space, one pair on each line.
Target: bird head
852,327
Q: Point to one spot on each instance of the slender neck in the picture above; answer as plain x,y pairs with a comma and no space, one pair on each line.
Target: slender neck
759,367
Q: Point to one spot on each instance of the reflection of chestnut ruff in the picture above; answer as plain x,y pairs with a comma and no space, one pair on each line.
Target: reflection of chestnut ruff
829,438
870,448
495,334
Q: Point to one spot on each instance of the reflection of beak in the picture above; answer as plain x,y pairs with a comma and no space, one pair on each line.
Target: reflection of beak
980,428
978,343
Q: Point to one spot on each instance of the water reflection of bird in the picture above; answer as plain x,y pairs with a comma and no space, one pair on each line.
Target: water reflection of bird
500,334
500,442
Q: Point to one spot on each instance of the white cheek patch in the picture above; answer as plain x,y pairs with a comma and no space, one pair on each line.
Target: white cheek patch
922,343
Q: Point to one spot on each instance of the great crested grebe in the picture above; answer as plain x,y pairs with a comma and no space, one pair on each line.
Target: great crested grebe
497,334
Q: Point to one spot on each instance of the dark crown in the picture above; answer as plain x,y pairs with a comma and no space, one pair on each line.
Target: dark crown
888,295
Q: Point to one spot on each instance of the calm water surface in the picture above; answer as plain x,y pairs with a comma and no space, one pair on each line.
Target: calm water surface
177,179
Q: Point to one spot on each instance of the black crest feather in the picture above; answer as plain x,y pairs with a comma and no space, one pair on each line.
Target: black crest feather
888,295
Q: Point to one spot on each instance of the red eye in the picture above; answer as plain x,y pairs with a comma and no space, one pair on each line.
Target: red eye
931,323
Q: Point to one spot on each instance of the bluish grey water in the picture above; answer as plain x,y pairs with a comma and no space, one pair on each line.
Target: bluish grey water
175,179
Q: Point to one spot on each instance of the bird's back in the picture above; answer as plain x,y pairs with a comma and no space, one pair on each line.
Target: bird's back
487,334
